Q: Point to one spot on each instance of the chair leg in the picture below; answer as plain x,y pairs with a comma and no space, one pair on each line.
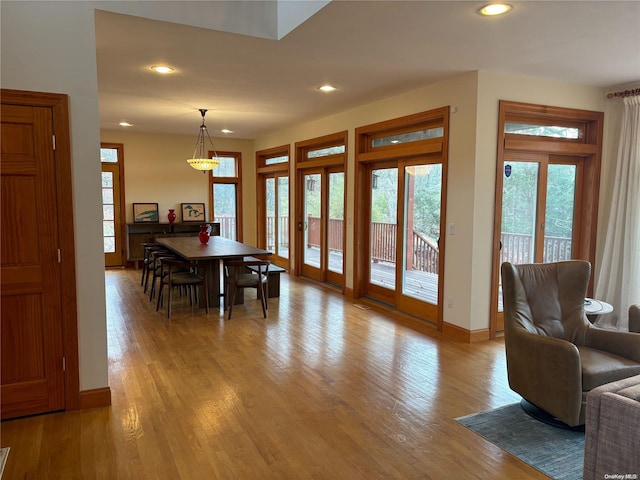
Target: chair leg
146,279
144,271
169,301
232,299
160,298
263,304
206,297
263,299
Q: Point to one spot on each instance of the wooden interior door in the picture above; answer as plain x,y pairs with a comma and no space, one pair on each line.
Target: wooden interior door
32,335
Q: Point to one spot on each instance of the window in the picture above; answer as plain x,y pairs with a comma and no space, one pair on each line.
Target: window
225,194
407,137
554,131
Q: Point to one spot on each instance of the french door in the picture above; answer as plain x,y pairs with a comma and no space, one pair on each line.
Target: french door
547,184
322,225
277,216
401,191
112,204
540,201
405,210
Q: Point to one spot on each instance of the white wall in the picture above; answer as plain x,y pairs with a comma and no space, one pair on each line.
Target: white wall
42,43
156,171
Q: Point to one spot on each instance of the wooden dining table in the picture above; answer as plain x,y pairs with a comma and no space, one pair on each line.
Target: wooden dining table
213,252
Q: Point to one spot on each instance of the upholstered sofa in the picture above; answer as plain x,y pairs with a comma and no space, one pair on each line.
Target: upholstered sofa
612,431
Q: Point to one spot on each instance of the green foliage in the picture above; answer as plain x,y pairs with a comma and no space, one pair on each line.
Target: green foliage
520,196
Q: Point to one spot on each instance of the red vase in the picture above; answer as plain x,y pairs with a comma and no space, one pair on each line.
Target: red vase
172,215
204,234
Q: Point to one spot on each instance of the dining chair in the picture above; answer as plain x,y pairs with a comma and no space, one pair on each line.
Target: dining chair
238,276
147,259
155,269
185,275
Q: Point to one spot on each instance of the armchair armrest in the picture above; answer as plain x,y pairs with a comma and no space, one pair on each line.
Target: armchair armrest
624,344
546,371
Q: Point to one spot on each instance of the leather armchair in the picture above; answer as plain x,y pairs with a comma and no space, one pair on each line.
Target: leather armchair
555,356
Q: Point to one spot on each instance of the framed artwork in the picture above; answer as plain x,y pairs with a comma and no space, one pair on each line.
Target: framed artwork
145,212
193,212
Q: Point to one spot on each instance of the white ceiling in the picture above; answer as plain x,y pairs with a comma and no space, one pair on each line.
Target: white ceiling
253,83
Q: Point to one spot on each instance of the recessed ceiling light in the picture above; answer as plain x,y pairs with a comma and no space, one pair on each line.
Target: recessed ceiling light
327,88
163,69
493,9
226,130
125,124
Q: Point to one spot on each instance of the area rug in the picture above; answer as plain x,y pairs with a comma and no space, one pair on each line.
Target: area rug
554,451
4,453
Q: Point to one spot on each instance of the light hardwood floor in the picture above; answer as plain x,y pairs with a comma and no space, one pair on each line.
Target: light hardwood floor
319,390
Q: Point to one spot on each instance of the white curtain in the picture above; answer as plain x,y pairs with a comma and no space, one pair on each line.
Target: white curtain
618,281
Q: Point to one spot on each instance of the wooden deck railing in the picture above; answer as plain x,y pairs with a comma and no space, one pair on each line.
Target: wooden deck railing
227,227
426,254
283,231
516,248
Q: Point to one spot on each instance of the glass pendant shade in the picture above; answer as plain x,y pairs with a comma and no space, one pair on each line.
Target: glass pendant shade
200,160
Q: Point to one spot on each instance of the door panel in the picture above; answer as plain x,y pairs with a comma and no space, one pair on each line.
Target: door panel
520,212
539,205
282,217
335,226
225,208
405,231
422,200
276,218
322,224
31,321
312,214
383,231
111,218
560,214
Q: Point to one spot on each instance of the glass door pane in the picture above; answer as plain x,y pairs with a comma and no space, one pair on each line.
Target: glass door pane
559,212
270,207
224,209
384,227
422,198
519,211
283,217
336,222
312,252
108,213
112,214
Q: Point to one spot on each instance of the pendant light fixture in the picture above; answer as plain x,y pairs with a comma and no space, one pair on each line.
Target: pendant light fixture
200,160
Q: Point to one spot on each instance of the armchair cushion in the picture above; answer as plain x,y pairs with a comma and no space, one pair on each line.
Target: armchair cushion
600,367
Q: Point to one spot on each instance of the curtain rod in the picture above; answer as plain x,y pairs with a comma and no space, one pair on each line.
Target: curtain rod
625,93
